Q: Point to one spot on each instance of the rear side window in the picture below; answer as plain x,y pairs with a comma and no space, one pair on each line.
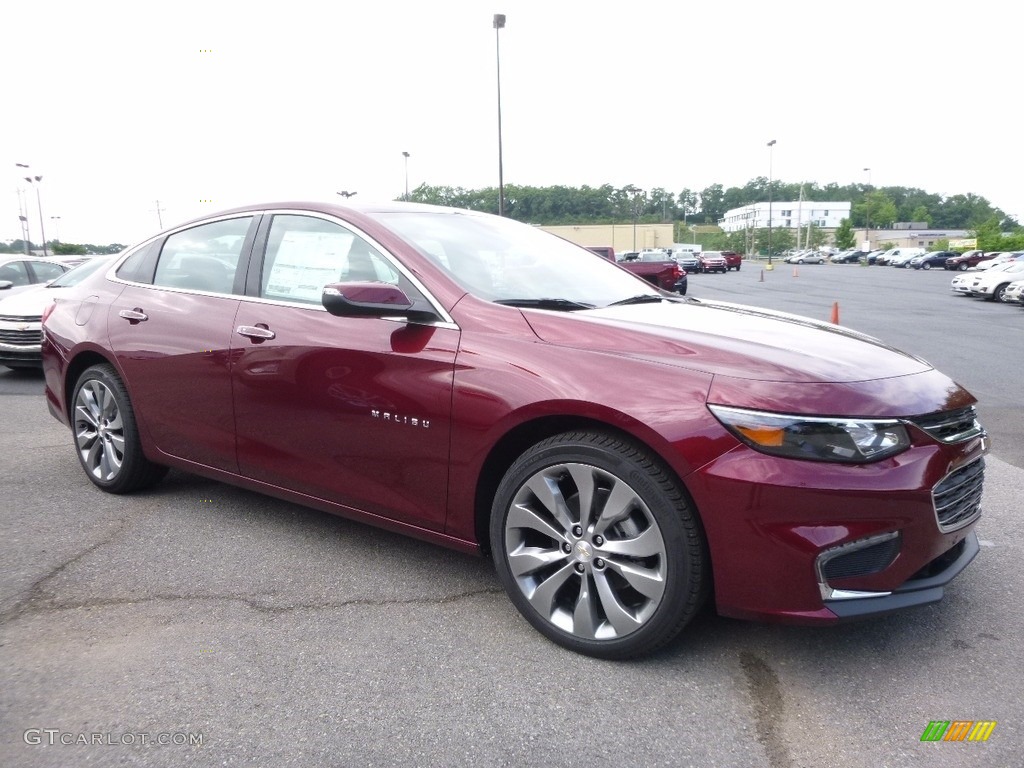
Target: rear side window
46,272
203,258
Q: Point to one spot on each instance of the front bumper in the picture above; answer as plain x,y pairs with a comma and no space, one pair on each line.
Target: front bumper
927,586
812,542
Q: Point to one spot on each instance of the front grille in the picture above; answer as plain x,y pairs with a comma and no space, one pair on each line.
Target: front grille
951,426
20,318
957,498
863,561
21,337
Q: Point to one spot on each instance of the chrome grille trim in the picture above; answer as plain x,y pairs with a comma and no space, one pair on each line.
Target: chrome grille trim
21,337
20,318
957,497
951,426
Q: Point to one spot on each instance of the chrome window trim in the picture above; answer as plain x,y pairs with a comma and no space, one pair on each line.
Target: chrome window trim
827,592
388,257
111,274
446,320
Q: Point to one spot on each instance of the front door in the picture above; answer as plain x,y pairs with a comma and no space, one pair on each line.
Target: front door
356,411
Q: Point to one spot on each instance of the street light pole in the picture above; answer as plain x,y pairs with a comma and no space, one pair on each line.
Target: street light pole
26,231
34,180
406,156
770,145
867,214
499,24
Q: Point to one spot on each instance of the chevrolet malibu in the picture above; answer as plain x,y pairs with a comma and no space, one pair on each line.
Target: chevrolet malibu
622,454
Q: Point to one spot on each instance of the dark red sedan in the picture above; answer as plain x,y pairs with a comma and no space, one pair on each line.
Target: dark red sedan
621,453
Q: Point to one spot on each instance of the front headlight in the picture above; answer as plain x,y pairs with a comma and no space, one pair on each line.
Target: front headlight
850,441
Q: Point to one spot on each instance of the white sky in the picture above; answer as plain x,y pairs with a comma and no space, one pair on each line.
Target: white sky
116,107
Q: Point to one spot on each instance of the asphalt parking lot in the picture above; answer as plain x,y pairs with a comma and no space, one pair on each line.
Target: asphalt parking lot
276,635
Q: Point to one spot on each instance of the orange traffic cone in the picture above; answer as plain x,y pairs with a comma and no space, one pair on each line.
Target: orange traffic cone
795,273
835,313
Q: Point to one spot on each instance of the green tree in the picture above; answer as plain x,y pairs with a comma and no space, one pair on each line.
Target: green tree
69,249
712,203
921,214
844,235
876,208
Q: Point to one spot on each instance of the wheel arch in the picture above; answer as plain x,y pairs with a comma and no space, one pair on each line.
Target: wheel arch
79,363
518,439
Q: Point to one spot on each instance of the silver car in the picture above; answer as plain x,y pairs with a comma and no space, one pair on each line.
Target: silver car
21,315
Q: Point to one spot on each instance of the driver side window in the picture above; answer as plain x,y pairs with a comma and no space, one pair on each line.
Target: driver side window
305,253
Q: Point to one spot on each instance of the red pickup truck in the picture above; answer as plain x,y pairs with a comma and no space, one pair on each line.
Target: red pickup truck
655,268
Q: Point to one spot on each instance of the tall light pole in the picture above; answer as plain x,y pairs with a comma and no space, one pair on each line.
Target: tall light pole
867,214
35,180
26,232
406,156
770,145
499,24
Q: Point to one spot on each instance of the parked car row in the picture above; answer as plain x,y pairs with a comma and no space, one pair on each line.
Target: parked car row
991,284
696,261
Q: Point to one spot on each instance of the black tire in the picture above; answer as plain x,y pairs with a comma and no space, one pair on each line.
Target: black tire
997,294
738,268
580,598
106,435
926,265
963,266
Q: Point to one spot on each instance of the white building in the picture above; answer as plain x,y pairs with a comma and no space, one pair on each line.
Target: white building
786,215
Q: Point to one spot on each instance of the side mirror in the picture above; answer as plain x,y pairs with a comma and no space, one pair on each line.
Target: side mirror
365,300
5,284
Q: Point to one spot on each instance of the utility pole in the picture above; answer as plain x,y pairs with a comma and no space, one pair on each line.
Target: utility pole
159,218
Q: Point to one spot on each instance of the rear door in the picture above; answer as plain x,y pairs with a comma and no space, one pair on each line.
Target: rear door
171,330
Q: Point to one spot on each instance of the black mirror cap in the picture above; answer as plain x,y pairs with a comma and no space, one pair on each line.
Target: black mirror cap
365,300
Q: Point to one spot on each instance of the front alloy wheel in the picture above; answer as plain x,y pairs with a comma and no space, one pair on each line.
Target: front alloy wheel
600,564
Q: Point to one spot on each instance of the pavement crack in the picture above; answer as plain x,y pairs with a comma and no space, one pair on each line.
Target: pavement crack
37,604
35,594
769,709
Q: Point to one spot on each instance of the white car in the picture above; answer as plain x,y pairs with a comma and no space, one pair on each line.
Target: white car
961,284
21,315
995,261
20,273
993,282
1014,293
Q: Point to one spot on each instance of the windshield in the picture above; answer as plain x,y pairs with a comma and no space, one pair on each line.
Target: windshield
506,261
1008,266
77,274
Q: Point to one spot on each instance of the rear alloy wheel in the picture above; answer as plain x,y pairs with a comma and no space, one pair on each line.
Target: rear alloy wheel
926,265
597,545
106,436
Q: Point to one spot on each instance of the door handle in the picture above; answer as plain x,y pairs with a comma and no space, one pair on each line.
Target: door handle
133,316
257,333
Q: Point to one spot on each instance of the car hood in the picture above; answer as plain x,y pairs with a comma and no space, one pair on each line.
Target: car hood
30,300
729,339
